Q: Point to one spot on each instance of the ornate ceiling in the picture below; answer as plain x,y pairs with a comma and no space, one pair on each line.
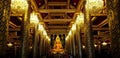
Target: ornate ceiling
59,15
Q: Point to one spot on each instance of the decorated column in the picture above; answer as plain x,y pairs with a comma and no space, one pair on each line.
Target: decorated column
52,40
73,44
47,47
35,49
113,14
40,39
4,18
25,31
79,40
44,42
41,43
67,45
88,32
70,43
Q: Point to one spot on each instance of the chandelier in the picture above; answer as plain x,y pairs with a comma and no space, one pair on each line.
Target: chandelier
19,6
95,5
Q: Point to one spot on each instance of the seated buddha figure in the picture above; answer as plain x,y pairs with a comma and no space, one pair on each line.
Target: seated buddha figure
57,45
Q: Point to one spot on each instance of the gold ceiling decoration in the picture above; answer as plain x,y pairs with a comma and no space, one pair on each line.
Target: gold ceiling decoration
80,18
19,6
95,5
34,18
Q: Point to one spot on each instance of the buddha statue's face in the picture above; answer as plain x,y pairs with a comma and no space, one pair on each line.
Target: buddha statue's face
58,42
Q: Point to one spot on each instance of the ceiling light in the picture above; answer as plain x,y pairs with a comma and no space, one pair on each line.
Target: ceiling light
9,44
73,27
95,45
48,38
19,6
83,46
44,33
30,47
104,43
67,38
34,18
69,33
94,5
80,18
40,27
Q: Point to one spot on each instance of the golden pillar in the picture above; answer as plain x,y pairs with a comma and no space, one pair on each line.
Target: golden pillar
41,43
73,44
79,40
113,14
36,41
71,47
40,38
25,31
4,18
88,33
44,42
67,45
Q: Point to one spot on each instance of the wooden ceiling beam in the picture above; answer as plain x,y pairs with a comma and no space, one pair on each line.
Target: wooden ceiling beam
58,32
68,4
11,37
94,26
61,27
57,20
14,29
100,28
57,3
46,4
96,36
57,14
72,7
53,31
12,24
16,14
18,29
98,14
103,23
57,10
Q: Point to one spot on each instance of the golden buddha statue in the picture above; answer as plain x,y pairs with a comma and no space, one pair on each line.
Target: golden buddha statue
57,45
